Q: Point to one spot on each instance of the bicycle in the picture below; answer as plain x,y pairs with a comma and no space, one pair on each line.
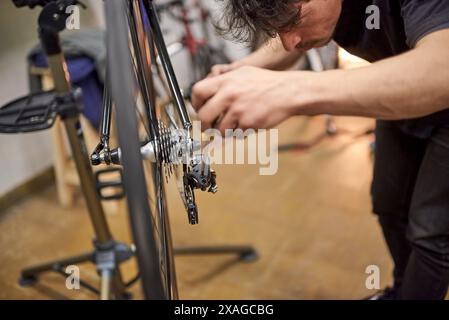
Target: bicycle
202,52
155,142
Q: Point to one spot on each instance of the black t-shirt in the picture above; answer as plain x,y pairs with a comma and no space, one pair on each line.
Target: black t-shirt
402,24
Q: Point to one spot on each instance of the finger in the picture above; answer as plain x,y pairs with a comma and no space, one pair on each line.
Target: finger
204,90
220,69
213,109
215,71
228,121
217,121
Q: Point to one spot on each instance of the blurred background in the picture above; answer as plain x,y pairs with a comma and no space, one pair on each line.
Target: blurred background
311,222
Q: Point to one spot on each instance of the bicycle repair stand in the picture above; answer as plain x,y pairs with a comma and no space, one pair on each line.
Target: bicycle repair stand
38,112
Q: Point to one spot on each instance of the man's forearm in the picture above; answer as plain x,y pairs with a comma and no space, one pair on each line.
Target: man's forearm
412,85
271,55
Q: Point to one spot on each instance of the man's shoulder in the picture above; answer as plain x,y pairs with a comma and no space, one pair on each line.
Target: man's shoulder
407,20
371,29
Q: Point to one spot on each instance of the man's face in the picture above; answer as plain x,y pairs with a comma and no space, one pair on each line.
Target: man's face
318,19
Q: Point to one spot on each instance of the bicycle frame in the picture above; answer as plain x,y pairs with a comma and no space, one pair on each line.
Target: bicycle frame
191,42
167,66
143,37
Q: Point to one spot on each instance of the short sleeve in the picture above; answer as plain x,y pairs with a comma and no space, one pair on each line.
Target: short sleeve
422,17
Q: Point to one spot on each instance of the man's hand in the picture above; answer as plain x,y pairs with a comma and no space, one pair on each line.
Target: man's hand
244,98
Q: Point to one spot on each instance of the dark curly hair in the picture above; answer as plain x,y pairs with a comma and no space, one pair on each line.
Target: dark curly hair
243,20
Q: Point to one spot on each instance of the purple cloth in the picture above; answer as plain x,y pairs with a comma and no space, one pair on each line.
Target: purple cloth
83,75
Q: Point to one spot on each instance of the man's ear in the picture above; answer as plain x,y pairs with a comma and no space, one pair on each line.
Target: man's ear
300,6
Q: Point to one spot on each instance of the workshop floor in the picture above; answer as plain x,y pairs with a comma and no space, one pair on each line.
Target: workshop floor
311,224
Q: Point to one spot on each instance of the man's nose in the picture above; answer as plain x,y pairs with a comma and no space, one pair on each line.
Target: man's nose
290,40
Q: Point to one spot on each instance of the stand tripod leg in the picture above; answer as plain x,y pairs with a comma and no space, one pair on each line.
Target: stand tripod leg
245,253
29,275
106,279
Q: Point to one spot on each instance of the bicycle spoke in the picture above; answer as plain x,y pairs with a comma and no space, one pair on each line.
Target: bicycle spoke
170,117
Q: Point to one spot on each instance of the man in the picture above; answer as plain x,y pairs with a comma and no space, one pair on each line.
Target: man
406,89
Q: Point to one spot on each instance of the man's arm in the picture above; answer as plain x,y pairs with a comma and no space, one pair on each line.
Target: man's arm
271,55
411,85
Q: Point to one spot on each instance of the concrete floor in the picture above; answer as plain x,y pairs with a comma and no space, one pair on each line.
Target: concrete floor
311,224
